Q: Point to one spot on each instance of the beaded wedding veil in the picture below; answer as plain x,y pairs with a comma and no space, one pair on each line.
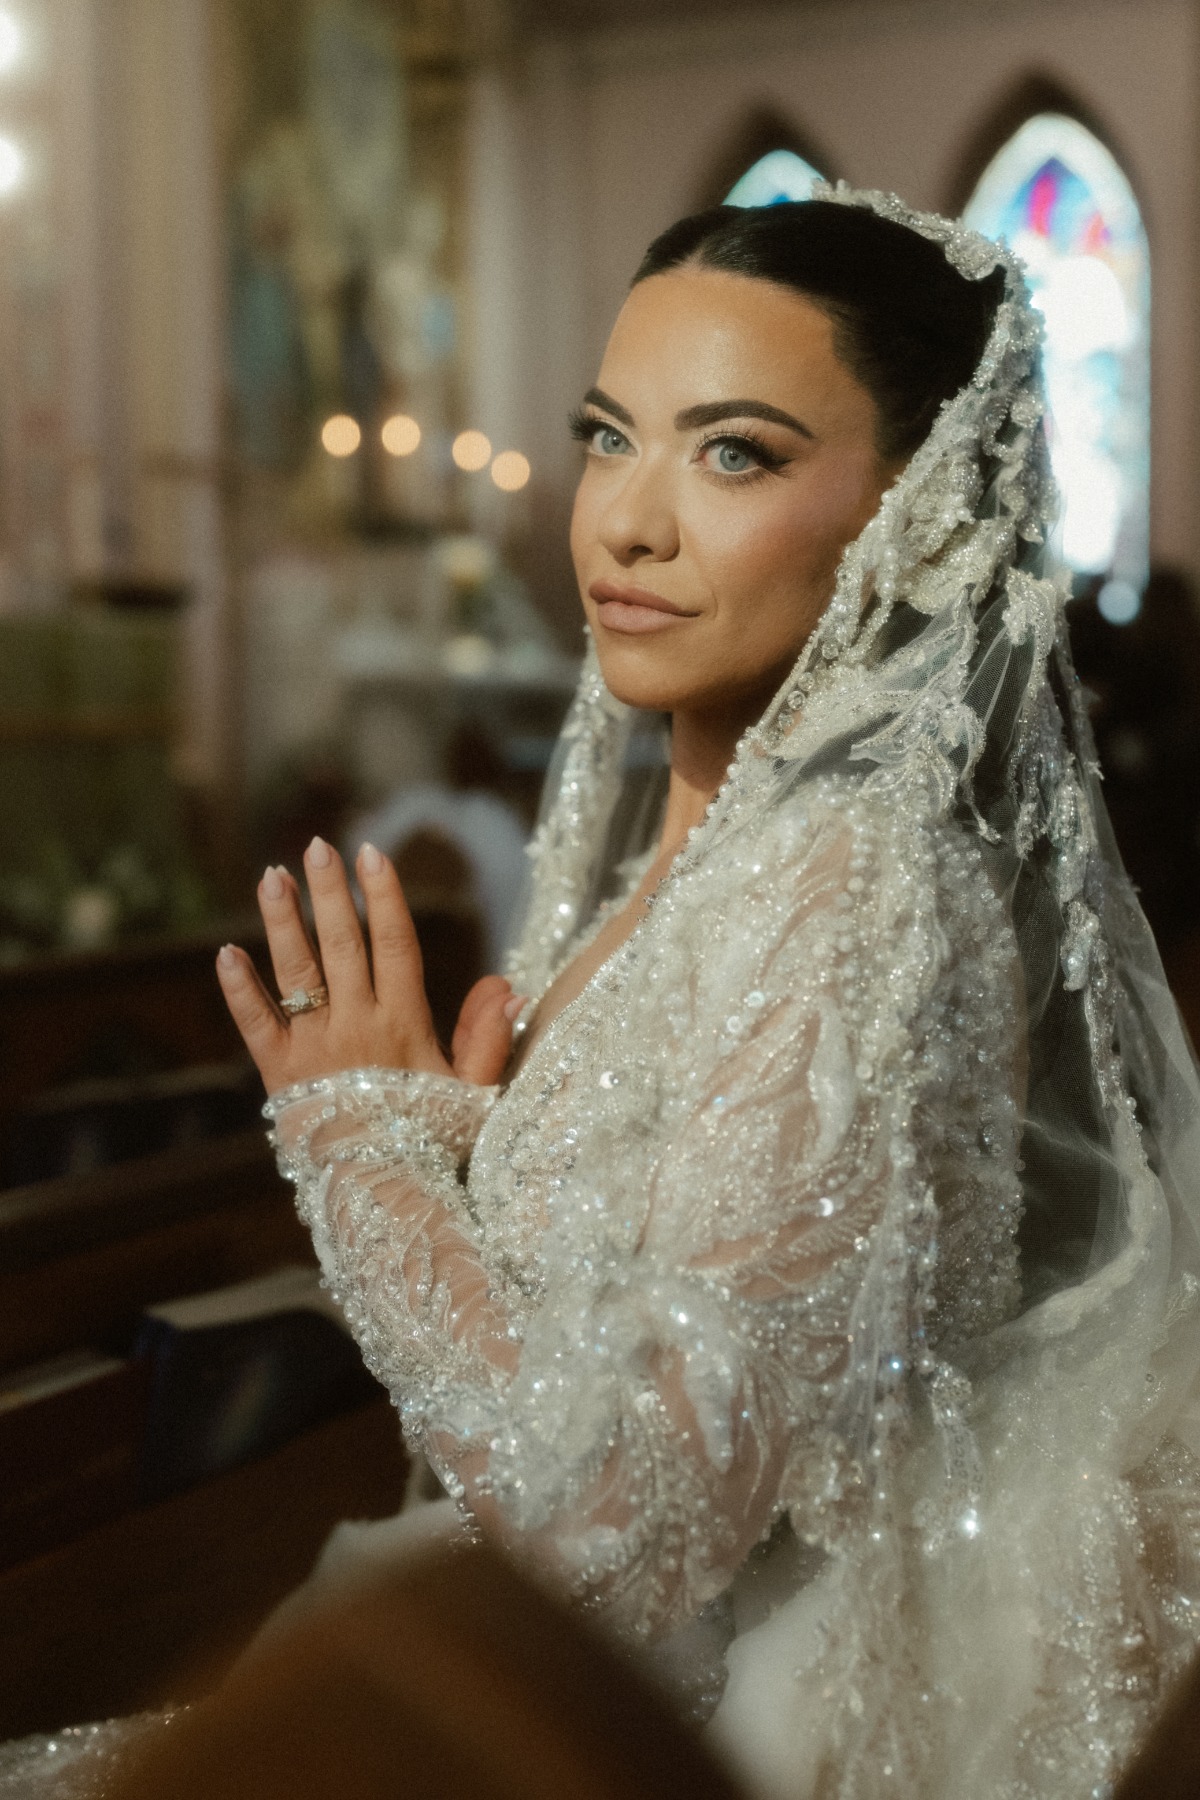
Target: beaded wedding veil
1015,1609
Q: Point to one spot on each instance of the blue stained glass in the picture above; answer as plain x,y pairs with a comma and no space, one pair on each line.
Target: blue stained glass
778,176
1063,204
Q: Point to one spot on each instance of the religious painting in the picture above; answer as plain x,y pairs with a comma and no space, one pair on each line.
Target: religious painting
343,128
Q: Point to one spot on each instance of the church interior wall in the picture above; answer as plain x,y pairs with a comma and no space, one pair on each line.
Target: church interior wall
142,276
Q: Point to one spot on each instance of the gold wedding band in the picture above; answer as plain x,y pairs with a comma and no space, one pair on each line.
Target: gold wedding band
302,1000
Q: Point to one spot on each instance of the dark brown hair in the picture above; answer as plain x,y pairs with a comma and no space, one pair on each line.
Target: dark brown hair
908,326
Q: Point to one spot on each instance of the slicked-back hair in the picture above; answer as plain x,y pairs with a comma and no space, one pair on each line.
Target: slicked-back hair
907,325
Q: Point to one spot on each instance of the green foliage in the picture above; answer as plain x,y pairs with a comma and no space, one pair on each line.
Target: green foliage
93,843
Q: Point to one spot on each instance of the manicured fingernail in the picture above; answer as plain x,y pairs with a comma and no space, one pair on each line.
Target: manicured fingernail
512,1007
370,859
227,956
272,884
319,854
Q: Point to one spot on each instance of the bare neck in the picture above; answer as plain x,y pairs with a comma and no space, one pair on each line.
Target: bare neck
702,747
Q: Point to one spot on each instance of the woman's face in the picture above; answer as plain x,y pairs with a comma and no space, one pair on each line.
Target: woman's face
731,457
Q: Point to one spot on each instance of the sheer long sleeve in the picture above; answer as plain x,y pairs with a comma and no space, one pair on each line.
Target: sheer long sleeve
660,1310
375,1156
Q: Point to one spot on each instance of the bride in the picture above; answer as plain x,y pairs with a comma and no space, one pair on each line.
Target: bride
796,1259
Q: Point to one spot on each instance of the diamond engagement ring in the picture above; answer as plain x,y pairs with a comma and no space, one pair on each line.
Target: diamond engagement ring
302,1000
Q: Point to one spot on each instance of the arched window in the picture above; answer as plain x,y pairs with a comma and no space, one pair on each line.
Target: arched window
779,175
1062,203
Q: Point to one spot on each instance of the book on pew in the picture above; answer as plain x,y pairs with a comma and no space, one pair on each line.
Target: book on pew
238,1372
71,1434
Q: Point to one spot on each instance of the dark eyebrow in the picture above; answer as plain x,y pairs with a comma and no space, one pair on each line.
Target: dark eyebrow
597,397
714,410
709,413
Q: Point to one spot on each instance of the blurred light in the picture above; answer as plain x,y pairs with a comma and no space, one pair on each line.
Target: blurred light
1119,602
400,434
1084,308
467,561
341,435
469,654
1127,751
1091,483
471,451
779,175
12,166
11,42
510,471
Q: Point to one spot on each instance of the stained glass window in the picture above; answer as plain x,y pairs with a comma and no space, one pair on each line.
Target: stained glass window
777,176
1062,203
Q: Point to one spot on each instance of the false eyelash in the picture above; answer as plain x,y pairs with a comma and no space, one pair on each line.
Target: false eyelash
768,459
583,425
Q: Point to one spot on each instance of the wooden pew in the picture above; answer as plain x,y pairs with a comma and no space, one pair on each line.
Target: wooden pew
152,1603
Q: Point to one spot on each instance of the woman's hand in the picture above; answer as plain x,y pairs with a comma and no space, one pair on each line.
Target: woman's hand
378,1015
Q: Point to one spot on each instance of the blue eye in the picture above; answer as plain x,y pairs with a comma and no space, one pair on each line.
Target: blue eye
733,460
597,435
737,453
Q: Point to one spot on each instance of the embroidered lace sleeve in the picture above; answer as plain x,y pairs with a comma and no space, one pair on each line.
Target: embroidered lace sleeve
723,1269
375,1156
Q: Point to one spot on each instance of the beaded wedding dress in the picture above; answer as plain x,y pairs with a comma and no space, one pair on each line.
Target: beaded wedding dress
818,1303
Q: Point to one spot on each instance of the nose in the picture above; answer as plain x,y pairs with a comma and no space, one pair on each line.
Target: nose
639,522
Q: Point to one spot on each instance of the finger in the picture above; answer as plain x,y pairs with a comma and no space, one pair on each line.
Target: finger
292,955
395,952
254,1012
339,934
488,1045
485,991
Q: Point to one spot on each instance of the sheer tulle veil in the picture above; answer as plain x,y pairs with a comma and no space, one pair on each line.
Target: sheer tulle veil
1021,1584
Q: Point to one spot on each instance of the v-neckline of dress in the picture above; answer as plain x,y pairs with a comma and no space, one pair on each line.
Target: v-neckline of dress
606,967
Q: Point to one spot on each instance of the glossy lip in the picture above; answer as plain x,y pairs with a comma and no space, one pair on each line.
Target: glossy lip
634,609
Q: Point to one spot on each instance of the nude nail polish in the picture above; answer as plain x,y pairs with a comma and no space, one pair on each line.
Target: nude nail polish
319,854
512,1007
272,884
227,956
371,860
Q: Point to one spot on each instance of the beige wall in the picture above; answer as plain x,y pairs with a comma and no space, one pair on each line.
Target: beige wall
144,325
176,326
588,147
